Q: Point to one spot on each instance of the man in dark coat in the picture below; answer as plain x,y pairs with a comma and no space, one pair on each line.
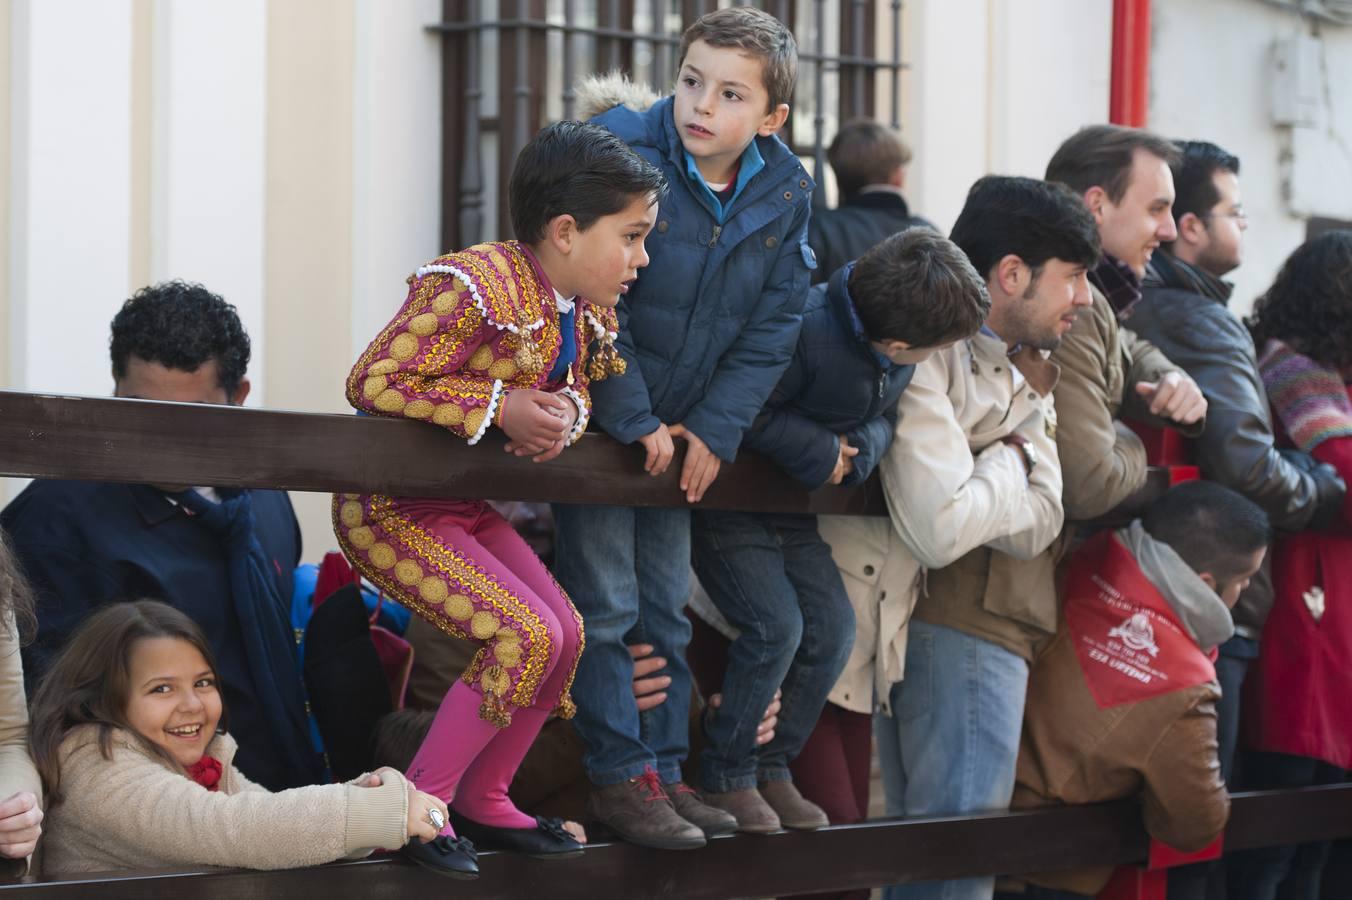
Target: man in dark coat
869,161
224,557
1183,312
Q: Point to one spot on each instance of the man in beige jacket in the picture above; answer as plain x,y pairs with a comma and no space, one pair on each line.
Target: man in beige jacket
1124,179
973,486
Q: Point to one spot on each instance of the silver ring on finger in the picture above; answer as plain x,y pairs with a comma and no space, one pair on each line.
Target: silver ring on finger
436,818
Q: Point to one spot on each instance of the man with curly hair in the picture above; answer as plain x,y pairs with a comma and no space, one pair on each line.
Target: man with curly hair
223,556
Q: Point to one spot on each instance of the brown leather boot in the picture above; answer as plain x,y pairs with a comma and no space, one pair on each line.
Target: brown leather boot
751,813
690,807
794,810
639,811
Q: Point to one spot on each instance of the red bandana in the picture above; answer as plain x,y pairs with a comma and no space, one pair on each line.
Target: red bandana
206,772
1130,644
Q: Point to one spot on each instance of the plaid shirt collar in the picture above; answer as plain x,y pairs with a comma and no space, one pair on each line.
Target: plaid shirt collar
1118,283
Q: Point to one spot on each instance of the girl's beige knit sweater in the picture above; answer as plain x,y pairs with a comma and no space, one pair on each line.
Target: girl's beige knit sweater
134,811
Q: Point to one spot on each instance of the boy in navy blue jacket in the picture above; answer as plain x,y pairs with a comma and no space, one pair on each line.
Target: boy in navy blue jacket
706,332
829,421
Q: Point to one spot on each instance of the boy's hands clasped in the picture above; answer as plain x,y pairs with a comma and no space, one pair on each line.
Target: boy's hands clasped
700,467
537,423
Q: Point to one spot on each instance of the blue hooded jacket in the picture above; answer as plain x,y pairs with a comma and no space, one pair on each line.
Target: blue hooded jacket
835,385
710,324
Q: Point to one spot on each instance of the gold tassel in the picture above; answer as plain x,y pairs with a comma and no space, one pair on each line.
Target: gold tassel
606,361
494,710
566,708
528,357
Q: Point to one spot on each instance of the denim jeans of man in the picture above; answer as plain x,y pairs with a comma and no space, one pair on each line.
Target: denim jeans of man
772,577
1295,871
627,570
1207,881
952,741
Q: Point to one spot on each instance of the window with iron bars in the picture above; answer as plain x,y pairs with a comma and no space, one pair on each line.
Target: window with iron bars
510,66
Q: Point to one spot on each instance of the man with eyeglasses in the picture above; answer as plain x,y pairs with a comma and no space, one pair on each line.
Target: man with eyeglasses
1183,312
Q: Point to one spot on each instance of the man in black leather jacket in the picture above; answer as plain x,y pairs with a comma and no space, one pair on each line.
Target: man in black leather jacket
1184,314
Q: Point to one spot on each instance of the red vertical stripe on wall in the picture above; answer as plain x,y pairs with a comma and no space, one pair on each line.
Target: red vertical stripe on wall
1129,96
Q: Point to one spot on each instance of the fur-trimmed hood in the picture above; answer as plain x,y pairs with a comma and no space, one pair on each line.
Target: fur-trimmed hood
598,93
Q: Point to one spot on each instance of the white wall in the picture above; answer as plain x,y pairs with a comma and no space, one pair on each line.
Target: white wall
994,87
208,84
69,205
396,195
1223,95
285,153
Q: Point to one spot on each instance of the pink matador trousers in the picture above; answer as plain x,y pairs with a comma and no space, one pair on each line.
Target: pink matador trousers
463,568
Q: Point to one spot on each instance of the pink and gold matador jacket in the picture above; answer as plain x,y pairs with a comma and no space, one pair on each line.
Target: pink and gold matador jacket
475,325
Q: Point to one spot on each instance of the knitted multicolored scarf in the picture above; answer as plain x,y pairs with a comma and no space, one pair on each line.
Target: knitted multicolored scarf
1309,400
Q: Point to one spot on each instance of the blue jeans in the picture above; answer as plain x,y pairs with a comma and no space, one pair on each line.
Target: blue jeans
627,571
773,579
952,742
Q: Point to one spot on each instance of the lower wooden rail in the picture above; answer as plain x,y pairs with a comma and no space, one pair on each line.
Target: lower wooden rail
855,856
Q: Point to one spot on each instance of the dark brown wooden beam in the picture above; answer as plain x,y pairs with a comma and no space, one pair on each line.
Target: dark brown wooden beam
141,441
856,856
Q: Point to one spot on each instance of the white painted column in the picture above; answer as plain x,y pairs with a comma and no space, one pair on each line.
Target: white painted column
1051,63
995,86
946,44
208,175
69,206
396,160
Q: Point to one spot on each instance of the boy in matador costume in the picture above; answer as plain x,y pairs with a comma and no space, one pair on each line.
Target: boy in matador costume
507,334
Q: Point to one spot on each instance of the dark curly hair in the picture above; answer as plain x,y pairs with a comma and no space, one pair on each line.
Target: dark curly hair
181,325
1309,306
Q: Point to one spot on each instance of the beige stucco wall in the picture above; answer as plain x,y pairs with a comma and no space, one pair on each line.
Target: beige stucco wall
5,54
308,226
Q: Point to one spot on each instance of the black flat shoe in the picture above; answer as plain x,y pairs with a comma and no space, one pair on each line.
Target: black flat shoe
454,857
547,840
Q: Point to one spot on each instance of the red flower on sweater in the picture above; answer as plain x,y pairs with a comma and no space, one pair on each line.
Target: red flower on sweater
206,772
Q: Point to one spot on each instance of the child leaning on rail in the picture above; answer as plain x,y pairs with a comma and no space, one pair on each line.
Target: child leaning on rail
507,334
771,575
138,776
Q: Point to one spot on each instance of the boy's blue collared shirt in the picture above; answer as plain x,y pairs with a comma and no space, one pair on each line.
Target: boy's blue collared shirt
752,162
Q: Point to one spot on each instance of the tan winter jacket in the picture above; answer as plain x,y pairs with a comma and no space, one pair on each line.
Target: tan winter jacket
17,773
134,812
959,503
1102,460
882,579
960,499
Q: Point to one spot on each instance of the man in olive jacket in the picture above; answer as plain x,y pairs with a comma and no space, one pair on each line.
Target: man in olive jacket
1123,176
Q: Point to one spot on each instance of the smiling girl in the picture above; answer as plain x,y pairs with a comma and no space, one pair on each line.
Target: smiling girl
137,774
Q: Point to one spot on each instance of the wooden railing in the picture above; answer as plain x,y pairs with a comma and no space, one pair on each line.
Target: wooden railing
140,441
